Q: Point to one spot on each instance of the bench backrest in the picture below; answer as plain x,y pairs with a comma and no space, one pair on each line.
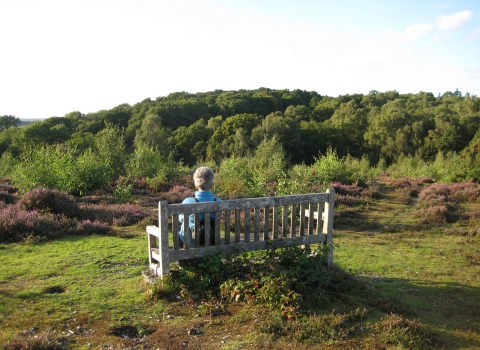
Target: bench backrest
247,224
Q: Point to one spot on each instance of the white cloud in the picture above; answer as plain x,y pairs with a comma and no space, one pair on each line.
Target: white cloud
454,20
410,33
442,23
415,30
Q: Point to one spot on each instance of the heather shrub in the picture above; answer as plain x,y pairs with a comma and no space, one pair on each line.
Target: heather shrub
434,195
177,194
434,215
408,334
7,197
348,200
347,190
403,195
18,225
7,188
87,228
53,201
117,214
465,192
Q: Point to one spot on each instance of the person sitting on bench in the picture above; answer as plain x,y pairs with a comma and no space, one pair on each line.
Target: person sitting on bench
203,179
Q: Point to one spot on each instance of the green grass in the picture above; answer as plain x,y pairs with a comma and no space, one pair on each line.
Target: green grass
84,291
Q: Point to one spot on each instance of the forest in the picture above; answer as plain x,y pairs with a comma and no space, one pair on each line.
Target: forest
262,135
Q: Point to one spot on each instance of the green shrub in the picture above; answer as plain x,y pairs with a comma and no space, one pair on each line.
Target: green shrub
55,168
285,278
123,192
7,163
235,179
144,162
329,168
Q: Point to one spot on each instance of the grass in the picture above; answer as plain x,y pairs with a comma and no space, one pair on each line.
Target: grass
417,283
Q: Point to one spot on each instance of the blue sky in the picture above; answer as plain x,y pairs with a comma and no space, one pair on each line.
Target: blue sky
59,56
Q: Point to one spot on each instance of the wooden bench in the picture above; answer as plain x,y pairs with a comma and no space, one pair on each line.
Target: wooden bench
247,224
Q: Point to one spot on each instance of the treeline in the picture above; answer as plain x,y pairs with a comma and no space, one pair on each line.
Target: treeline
190,129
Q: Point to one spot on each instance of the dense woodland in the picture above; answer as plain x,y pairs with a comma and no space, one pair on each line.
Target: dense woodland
291,127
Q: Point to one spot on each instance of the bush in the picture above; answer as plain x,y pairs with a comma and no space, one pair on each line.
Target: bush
434,215
19,225
177,194
7,197
47,200
7,162
118,214
330,168
53,167
144,162
347,190
87,228
466,192
409,334
235,179
285,278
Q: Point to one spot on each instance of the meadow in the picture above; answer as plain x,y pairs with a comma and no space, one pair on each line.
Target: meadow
408,277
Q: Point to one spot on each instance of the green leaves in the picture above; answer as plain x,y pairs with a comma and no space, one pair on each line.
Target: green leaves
55,168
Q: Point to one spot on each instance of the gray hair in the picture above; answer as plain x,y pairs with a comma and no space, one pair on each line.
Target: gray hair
203,178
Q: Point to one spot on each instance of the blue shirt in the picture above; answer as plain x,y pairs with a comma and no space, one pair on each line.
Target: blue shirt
201,196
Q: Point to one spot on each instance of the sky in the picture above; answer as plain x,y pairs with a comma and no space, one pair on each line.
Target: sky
60,56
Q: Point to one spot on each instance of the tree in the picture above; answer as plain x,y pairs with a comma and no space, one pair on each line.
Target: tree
8,121
152,134
110,147
47,132
189,144
351,121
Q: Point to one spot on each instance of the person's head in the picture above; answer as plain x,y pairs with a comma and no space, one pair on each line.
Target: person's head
203,178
